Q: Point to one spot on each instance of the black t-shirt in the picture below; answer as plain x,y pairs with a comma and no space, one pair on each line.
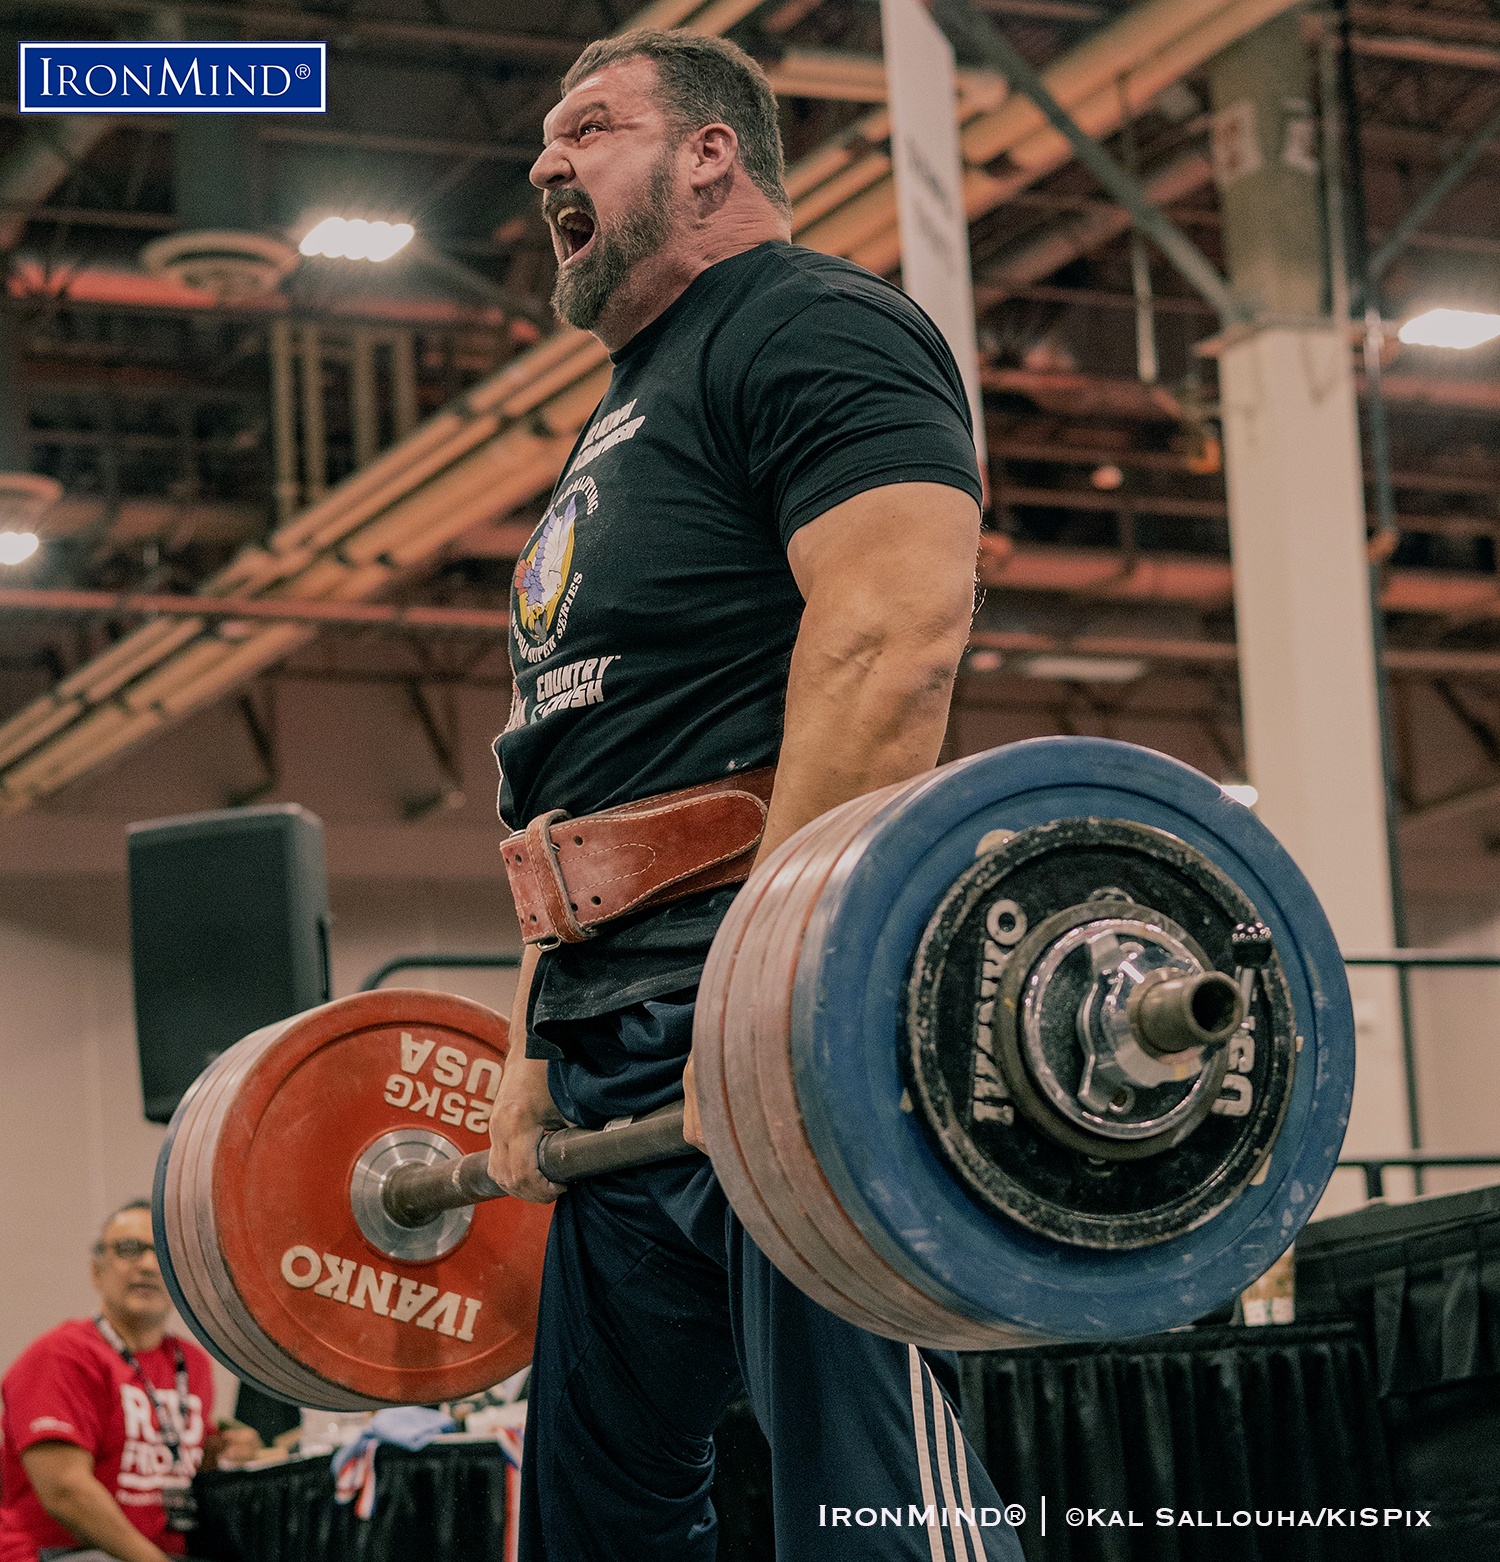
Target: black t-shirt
653,611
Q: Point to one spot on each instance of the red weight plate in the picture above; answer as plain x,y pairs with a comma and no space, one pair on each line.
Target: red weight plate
878,1297
711,1031
760,1000
239,1331
335,1080
187,1210
924,1319
730,1116
708,1041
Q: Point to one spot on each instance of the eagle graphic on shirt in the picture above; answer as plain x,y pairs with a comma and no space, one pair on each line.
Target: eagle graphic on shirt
542,572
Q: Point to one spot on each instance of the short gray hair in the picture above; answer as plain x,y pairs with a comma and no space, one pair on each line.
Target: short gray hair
114,1215
704,81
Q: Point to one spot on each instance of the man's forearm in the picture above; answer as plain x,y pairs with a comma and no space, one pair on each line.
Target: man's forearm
85,1508
523,1098
888,581
861,713
525,975
524,1106
859,716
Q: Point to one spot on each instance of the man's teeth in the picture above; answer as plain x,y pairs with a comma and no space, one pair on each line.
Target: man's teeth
577,228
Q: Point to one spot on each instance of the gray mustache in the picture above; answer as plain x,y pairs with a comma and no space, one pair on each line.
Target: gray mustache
556,201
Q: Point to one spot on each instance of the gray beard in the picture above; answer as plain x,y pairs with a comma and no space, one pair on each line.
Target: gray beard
583,289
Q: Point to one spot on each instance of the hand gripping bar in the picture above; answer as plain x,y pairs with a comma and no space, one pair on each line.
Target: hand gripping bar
415,1193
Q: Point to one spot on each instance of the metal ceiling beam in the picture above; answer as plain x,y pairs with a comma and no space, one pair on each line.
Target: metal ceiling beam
1425,51
1047,10
1433,197
1046,445
835,75
1434,22
986,41
1040,254
51,149
283,22
504,442
408,146
224,610
1203,582
1418,661
104,288
1074,394
1032,567
1125,501
93,217
1410,143
1091,298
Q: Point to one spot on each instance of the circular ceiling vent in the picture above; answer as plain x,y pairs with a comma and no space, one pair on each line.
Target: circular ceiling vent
25,497
225,263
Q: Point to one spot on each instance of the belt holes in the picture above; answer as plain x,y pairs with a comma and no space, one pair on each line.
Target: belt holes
594,900
578,840
572,903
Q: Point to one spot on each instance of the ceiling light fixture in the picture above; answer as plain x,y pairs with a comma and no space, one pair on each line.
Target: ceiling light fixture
352,238
1085,669
17,547
1106,478
984,661
1458,328
1241,793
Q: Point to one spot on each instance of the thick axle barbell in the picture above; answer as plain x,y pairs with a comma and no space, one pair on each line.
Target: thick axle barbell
1052,1043
1171,1015
414,1194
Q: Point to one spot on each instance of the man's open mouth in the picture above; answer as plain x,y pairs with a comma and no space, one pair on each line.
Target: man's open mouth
576,229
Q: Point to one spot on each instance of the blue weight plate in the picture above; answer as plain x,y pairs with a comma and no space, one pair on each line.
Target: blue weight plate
846,1040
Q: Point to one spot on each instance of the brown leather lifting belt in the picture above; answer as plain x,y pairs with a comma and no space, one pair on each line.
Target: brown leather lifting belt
570,875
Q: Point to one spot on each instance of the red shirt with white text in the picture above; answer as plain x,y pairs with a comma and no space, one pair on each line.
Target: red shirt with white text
73,1386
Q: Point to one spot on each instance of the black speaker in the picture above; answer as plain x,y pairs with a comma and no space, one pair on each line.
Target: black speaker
228,932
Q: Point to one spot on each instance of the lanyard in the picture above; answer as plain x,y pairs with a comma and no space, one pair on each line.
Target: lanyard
170,1427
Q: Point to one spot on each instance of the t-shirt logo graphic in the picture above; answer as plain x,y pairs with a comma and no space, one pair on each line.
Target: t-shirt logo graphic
542,572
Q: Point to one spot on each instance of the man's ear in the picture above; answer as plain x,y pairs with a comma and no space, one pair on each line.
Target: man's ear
715,149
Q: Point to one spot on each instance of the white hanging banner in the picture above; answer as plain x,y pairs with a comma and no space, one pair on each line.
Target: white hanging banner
923,88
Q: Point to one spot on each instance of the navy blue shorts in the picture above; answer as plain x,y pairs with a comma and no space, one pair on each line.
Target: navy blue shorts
657,1310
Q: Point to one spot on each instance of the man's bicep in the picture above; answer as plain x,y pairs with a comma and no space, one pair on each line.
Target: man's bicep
905,550
54,1395
54,1466
845,398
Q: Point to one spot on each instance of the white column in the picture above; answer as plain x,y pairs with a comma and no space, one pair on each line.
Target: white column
1297,538
1307,665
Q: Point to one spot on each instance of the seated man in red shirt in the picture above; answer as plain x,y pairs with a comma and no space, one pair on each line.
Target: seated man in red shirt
104,1419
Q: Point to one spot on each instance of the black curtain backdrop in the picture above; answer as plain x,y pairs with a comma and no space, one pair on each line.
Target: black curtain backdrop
1421,1281
1269,1424
444,1504
1385,1396
1206,1422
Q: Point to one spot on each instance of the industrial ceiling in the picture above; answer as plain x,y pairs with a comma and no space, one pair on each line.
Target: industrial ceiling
356,454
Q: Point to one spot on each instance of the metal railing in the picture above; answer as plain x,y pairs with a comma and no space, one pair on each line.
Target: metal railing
1425,959
1374,1166
438,962
1402,961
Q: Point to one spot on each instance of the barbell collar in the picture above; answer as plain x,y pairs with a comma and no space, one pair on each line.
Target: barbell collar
1176,1013
416,1194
